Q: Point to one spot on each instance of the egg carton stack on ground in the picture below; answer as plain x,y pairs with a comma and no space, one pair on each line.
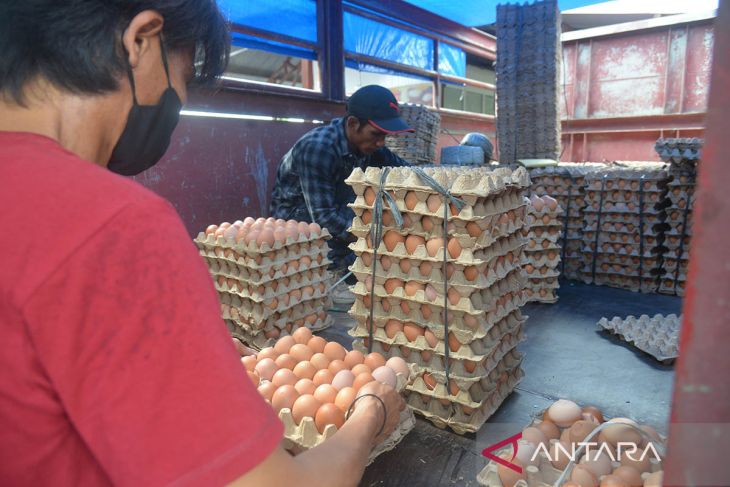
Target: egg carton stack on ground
271,276
566,183
544,449
658,335
418,147
621,244
486,286
311,384
542,252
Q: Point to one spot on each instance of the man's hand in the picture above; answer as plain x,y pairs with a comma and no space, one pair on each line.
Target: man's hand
242,349
393,402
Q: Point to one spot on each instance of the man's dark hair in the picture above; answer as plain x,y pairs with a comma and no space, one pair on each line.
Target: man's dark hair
76,44
361,122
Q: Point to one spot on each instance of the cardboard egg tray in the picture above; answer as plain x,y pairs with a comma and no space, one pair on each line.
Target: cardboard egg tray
296,316
274,272
472,349
210,241
455,416
265,261
259,312
621,227
543,258
657,335
543,474
672,286
473,392
620,249
300,283
644,285
259,340
303,436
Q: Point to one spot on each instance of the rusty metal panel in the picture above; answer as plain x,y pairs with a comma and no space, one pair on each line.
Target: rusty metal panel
697,71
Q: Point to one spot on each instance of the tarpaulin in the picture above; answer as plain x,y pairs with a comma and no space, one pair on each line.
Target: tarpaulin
452,60
243,40
295,18
371,38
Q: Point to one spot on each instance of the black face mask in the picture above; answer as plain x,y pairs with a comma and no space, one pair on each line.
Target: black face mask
147,133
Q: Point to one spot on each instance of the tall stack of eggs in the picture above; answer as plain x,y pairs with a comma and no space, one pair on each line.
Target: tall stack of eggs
271,276
566,183
542,251
677,230
484,286
546,445
621,242
311,384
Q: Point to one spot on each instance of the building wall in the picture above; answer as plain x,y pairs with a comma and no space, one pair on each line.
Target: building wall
621,92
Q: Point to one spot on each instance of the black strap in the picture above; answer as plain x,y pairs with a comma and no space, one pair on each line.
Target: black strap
385,411
598,228
641,231
163,53
565,225
681,241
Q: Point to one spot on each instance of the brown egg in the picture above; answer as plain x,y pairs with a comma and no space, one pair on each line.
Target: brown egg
353,357
267,352
325,393
405,306
334,351
305,406
583,476
249,362
284,376
300,352
411,200
473,229
425,268
369,196
412,287
344,398
304,370
266,390
654,480
430,293
302,335
592,413
558,457
398,365
393,327
254,377
471,273
430,338
391,239
336,366
621,431
320,361
285,361
385,262
329,414
429,381
272,333
631,459
284,397
534,435
434,246
598,462
508,476
549,429
580,429
454,344
360,369
427,223
404,351
266,368
612,481
426,355
367,259
323,376
361,380
454,296
305,386
433,203
374,360
630,475
392,284
343,378
413,242
454,248
284,344
412,331
316,344
426,311
564,413
266,237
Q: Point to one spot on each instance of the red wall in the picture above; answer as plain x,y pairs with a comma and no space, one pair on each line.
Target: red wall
622,92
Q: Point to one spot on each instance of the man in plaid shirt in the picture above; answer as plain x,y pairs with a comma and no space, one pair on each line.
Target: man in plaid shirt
310,182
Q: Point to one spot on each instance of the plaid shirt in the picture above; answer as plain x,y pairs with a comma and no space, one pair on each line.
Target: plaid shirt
310,182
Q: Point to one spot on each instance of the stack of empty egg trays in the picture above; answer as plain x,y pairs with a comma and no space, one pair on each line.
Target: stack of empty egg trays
269,290
565,182
484,278
542,252
621,243
658,335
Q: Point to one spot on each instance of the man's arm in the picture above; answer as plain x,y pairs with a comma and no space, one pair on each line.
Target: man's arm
386,157
317,167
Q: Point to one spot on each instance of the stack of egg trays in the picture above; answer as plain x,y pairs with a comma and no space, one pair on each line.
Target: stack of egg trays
419,146
621,244
657,335
485,279
542,254
677,229
566,183
265,290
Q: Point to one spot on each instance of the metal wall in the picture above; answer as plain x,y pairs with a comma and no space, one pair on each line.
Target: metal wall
623,91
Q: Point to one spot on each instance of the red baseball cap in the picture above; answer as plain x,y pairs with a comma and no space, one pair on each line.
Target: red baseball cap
378,106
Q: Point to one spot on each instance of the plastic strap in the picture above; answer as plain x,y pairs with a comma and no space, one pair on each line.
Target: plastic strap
376,235
598,228
565,225
385,411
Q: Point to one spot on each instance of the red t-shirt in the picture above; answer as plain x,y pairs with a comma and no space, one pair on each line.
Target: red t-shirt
115,367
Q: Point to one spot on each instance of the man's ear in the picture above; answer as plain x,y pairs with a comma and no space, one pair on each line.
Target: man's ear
352,122
137,37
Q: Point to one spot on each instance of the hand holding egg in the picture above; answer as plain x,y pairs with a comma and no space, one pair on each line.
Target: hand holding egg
394,404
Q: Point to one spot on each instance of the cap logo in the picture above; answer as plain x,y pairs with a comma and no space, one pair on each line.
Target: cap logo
393,105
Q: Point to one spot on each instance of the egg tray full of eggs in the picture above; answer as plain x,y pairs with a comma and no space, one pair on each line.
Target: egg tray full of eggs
258,334
542,253
657,335
493,263
295,288
415,343
460,418
558,431
311,384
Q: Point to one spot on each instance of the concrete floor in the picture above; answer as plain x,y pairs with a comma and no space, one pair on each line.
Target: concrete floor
565,357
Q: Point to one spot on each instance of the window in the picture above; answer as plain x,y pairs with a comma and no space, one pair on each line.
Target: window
260,66
406,88
471,98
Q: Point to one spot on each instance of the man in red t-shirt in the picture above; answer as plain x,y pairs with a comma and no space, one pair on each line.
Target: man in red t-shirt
116,368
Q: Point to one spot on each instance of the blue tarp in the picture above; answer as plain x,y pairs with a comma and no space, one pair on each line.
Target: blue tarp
242,40
295,18
452,60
